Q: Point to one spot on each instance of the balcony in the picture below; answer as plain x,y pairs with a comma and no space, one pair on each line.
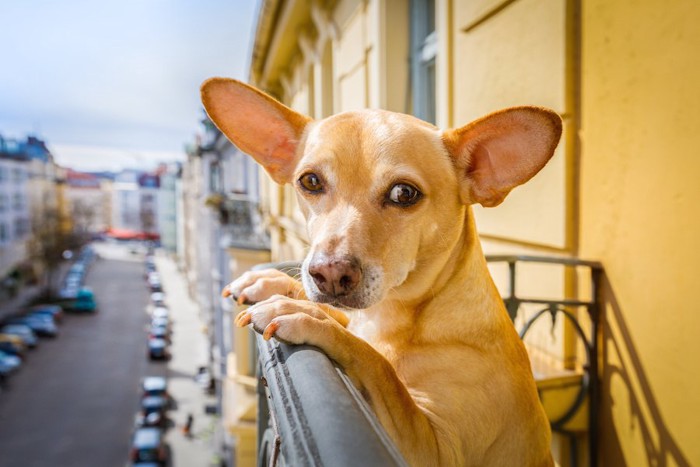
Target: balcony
241,221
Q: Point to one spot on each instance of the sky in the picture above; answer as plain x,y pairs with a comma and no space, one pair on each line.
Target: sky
114,84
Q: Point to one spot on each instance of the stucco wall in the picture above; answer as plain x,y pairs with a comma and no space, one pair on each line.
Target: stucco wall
516,57
639,215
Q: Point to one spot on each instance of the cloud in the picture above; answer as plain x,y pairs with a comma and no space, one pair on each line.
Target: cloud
116,73
101,158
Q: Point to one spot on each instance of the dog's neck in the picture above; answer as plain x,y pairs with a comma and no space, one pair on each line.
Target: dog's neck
459,276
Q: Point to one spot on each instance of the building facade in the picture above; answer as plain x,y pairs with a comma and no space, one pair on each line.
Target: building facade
620,188
16,180
89,200
135,201
169,176
223,236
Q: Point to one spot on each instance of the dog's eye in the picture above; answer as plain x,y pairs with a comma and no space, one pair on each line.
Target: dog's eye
311,183
403,195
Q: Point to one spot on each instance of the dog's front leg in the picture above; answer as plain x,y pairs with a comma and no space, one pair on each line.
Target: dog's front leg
304,322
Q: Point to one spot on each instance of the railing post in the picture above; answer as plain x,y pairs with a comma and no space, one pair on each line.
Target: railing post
595,314
512,302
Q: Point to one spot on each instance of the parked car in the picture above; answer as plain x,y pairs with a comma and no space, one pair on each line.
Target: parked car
158,298
147,446
161,322
41,324
152,411
77,268
150,267
22,331
12,344
160,312
84,301
158,349
68,292
9,363
159,333
154,282
155,386
73,280
48,309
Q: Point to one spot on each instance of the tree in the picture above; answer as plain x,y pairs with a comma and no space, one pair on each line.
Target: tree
83,217
52,235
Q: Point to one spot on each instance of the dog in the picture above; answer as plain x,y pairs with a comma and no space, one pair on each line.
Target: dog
395,287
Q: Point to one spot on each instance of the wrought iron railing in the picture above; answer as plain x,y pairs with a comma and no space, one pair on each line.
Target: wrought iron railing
565,307
241,219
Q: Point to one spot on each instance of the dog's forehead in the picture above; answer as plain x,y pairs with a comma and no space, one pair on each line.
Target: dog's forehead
370,133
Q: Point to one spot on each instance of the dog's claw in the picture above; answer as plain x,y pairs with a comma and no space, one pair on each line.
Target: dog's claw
243,319
270,330
226,292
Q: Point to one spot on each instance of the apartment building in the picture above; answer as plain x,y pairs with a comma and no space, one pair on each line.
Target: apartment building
15,220
620,188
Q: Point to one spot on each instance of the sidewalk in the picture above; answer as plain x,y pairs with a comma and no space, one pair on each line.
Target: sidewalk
189,351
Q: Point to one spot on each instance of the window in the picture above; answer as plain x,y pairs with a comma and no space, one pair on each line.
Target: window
423,54
17,201
3,202
215,178
4,234
17,174
3,174
147,199
21,227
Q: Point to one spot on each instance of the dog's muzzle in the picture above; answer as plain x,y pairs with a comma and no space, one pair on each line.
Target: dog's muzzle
336,280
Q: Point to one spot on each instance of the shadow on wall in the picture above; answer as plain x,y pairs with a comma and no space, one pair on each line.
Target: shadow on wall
622,366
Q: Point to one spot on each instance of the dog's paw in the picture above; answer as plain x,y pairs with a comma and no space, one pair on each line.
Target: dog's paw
256,286
288,320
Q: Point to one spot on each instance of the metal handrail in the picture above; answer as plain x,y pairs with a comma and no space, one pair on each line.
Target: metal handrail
591,380
316,416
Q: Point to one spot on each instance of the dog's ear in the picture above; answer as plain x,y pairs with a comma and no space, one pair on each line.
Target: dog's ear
501,151
256,123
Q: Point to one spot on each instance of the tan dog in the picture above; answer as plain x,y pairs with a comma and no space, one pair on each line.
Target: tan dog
386,198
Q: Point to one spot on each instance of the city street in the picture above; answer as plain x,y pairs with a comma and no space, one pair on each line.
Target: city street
73,402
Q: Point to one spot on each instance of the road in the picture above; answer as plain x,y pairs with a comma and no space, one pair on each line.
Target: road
73,402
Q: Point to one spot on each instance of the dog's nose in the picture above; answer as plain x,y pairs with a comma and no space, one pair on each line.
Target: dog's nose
335,276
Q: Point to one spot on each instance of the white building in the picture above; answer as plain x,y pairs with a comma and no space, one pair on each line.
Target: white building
223,233
15,223
135,203
89,201
168,205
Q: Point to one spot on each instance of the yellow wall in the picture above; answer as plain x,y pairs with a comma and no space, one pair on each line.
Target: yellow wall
516,57
639,215
507,54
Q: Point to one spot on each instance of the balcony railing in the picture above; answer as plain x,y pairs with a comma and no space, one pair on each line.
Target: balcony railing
240,217
586,377
309,413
